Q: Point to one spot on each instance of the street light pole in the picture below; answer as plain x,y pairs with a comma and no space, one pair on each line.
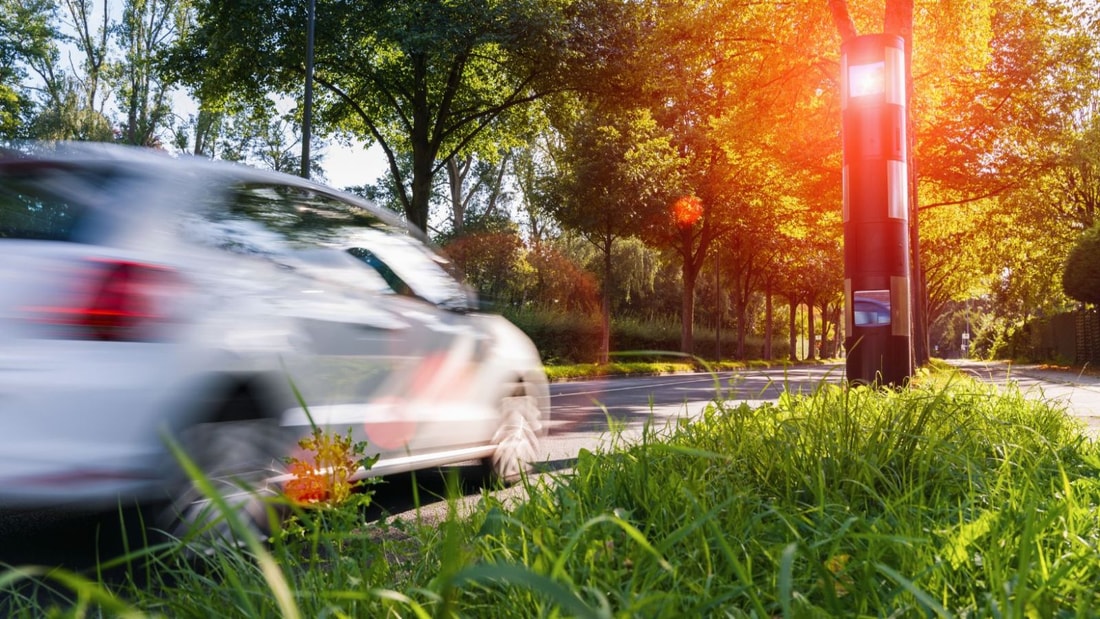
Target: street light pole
307,114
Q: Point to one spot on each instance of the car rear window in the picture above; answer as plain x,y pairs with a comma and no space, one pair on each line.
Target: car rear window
50,202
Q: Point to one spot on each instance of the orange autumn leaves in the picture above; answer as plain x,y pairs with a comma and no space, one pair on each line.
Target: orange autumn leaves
686,211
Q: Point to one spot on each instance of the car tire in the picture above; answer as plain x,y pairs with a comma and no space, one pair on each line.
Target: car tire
517,439
236,458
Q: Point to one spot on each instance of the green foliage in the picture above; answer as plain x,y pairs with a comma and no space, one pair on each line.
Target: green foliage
69,120
420,79
27,39
621,168
1081,274
996,338
559,336
142,33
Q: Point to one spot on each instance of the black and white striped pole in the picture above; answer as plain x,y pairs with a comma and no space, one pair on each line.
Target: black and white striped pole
876,207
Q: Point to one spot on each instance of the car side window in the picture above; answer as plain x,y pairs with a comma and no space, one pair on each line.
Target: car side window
279,222
392,279
274,220
410,268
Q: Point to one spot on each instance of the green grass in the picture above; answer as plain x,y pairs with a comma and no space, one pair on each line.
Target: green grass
677,362
950,498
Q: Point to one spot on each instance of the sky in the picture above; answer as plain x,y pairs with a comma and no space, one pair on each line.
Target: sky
347,166
344,166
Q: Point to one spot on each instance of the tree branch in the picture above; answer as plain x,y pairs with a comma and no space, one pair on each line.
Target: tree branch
843,20
391,157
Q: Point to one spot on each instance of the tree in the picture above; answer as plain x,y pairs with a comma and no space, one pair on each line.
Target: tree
145,30
108,86
958,252
93,44
1081,274
66,118
477,188
619,168
706,83
69,105
424,78
535,173
1006,158
487,256
477,177
27,41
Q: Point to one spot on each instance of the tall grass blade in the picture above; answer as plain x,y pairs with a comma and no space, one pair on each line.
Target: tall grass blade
519,575
785,582
922,596
273,575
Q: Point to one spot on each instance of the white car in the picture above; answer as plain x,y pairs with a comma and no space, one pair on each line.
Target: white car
144,296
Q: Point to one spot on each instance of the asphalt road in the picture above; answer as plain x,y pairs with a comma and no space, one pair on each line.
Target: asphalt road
583,412
1079,393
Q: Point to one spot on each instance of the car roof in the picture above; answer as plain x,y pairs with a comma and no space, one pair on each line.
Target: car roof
159,162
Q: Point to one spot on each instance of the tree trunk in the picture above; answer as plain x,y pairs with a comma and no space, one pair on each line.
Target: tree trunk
417,210
838,335
768,321
605,304
496,190
687,310
424,149
690,268
792,338
827,324
742,329
811,331
456,178
844,24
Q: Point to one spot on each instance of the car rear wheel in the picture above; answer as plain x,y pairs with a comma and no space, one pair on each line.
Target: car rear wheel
517,439
236,459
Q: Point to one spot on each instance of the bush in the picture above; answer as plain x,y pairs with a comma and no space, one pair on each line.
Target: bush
565,338
561,337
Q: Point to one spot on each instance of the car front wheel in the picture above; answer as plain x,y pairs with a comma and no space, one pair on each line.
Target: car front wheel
517,439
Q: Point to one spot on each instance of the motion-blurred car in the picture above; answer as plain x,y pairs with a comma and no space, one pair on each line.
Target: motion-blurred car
144,295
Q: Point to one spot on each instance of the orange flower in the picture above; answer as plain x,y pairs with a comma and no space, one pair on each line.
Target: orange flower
323,470
308,486
687,210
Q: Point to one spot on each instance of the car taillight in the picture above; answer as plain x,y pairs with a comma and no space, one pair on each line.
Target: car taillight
113,300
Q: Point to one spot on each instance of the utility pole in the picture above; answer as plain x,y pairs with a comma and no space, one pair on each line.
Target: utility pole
307,113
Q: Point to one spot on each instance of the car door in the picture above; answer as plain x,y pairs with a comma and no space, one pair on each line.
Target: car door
443,391
351,349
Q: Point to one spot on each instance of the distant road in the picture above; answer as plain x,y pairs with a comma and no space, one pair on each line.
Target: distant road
580,411
1079,393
